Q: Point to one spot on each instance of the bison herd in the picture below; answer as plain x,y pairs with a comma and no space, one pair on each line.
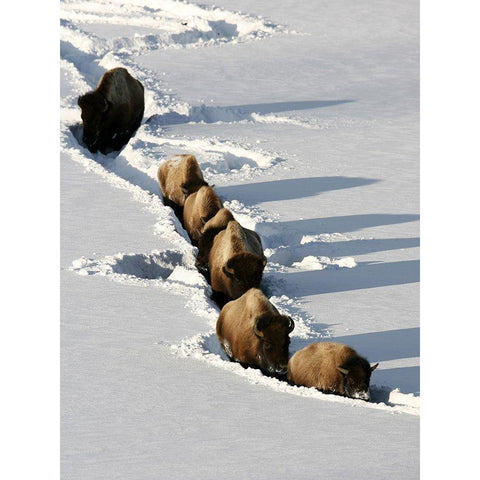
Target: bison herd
250,329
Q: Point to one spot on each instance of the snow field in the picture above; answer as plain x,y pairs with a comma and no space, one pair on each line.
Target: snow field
85,57
309,140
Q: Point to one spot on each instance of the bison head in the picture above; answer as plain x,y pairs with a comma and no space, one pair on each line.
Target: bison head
273,333
94,111
356,378
244,271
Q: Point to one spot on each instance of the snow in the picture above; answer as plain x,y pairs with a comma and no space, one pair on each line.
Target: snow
305,118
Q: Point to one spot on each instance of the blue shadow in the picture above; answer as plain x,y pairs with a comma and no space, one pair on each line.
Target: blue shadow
235,113
290,188
364,275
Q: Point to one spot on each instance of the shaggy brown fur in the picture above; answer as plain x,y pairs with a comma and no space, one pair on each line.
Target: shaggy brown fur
252,331
236,260
215,225
112,112
332,368
179,177
199,208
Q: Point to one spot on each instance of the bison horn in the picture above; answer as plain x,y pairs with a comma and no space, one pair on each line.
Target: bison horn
291,324
106,104
373,367
343,371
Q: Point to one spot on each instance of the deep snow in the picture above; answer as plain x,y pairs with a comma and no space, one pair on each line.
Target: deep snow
305,117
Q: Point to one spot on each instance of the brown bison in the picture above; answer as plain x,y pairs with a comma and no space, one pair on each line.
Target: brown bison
199,208
215,225
112,112
179,177
331,368
236,261
252,331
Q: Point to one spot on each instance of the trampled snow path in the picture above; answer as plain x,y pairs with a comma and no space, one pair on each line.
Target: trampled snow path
85,57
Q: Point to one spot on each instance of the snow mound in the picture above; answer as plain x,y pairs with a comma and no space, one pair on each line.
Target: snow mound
396,397
216,156
141,25
323,237
156,265
170,270
321,263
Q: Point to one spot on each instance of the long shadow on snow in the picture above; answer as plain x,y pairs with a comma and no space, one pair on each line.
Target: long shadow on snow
407,379
235,113
289,188
379,346
289,254
290,232
365,275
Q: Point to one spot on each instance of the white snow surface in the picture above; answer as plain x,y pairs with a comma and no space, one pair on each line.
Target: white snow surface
304,115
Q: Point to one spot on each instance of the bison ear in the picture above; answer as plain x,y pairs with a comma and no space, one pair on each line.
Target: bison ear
81,102
343,371
228,269
373,367
187,188
291,324
264,261
261,323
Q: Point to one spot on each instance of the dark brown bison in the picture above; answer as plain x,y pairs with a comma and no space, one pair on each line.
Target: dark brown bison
112,112
252,331
199,208
331,368
179,177
215,225
236,261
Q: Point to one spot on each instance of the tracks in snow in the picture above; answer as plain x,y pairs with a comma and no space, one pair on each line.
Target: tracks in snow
85,57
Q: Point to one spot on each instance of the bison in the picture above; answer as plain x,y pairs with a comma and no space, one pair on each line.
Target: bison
179,177
331,368
252,331
199,208
112,112
215,225
236,261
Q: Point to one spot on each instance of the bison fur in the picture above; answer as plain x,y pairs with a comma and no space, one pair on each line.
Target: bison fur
112,112
236,261
252,331
331,368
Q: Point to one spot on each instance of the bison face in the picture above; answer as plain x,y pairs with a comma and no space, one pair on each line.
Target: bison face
95,108
244,271
273,333
356,379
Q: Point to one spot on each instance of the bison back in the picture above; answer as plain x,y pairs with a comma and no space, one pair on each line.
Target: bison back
316,366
